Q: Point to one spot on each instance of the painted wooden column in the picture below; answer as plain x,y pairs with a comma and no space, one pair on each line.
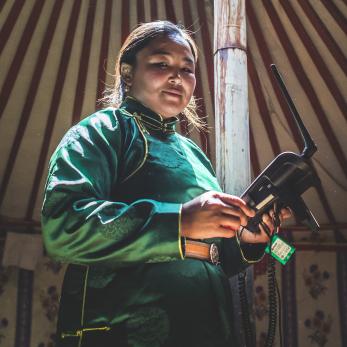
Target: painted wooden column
231,114
231,96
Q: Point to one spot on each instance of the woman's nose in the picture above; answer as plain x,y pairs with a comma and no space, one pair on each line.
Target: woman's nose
175,77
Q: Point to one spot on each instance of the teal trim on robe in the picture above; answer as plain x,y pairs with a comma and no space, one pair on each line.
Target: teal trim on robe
114,192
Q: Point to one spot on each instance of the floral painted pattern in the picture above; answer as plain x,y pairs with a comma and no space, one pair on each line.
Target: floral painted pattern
320,326
315,280
50,302
53,266
50,343
260,303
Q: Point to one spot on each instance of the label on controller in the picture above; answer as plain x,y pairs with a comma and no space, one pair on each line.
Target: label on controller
280,249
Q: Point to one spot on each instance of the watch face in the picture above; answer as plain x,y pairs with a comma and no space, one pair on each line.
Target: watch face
214,254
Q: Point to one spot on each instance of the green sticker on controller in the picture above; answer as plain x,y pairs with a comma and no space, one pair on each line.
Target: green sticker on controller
280,249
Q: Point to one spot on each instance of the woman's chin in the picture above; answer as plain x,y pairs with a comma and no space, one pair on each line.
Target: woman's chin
171,113
171,109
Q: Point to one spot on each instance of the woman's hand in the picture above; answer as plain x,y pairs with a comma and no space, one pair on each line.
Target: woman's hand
214,214
262,237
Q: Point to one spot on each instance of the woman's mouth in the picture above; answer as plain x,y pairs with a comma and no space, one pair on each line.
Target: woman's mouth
173,92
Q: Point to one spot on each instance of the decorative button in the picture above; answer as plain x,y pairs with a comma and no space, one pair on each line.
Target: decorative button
214,254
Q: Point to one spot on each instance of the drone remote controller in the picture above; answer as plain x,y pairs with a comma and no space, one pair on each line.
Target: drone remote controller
285,179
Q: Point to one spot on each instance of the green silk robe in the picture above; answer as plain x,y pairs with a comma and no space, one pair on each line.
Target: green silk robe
113,198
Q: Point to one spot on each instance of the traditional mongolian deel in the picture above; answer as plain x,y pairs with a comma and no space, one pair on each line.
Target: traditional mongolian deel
114,193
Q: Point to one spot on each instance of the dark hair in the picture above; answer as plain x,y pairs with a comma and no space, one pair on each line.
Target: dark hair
139,38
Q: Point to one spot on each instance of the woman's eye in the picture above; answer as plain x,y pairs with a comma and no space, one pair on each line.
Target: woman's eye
161,65
187,70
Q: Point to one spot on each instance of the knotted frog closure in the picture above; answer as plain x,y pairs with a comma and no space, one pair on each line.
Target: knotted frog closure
148,120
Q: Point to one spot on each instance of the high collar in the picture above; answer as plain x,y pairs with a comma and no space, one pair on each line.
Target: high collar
150,120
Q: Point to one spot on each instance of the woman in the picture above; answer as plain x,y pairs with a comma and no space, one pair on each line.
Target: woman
136,210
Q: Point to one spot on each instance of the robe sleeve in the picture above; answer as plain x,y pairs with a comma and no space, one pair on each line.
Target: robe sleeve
81,223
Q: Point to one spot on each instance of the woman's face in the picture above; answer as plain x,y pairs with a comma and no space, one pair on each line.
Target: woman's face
164,76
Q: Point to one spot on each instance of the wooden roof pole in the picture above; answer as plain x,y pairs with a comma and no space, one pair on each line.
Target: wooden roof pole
231,115
231,96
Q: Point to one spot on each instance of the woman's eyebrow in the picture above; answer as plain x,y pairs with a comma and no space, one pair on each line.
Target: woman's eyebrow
162,52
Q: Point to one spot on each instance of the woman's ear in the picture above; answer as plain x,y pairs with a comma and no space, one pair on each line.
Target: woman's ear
126,71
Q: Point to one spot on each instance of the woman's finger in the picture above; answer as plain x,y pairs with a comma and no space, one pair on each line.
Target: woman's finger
221,209
250,237
226,231
230,221
236,201
268,221
263,236
230,199
235,213
286,213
